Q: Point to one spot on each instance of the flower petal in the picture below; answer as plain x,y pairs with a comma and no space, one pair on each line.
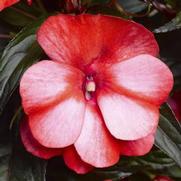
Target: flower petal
74,162
79,40
137,147
126,118
123,39
47,82
143,76
60,125
73,38
95,145
162,178
7,3
33,146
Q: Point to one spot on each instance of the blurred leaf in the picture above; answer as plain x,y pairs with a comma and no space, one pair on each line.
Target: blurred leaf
170,26
131,6
20,53
57,164
111,174
3,43
156,162
170,44
17,165
4,33
20,15
175,66
138,176
168,136
14,17
96,1
5,151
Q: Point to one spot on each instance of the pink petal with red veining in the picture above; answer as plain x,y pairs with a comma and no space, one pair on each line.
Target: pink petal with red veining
127,118
95,145
74,162
73,38
82,39
33,146
143,76
137,147
123,39
7,3
47,82
58,126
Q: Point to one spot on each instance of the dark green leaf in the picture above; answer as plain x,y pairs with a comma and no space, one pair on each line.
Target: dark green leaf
133,6
20,15
96,1
175,66
5,151
168,136
156,162
114,175
11,16
20,53
17,165
138,176
4,33
56,164
170,26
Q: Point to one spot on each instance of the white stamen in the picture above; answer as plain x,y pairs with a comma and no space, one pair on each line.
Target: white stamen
90,86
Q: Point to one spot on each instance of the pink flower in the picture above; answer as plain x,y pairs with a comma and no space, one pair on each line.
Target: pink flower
162,178
7,3
99,95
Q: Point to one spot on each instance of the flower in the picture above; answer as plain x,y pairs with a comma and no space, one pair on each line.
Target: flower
162,178
7,3
99,95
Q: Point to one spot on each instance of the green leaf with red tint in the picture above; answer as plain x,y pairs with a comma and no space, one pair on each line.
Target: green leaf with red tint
168,136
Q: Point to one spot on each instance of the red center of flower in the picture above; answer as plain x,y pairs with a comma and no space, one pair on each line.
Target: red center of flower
89,87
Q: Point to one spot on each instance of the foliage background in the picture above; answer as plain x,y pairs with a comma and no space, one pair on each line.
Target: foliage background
19,50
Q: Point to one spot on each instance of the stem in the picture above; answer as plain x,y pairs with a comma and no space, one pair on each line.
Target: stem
15,117
5,36
24,13
41,6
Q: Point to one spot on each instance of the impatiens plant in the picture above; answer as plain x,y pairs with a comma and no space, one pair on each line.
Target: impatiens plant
99,94
84,90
